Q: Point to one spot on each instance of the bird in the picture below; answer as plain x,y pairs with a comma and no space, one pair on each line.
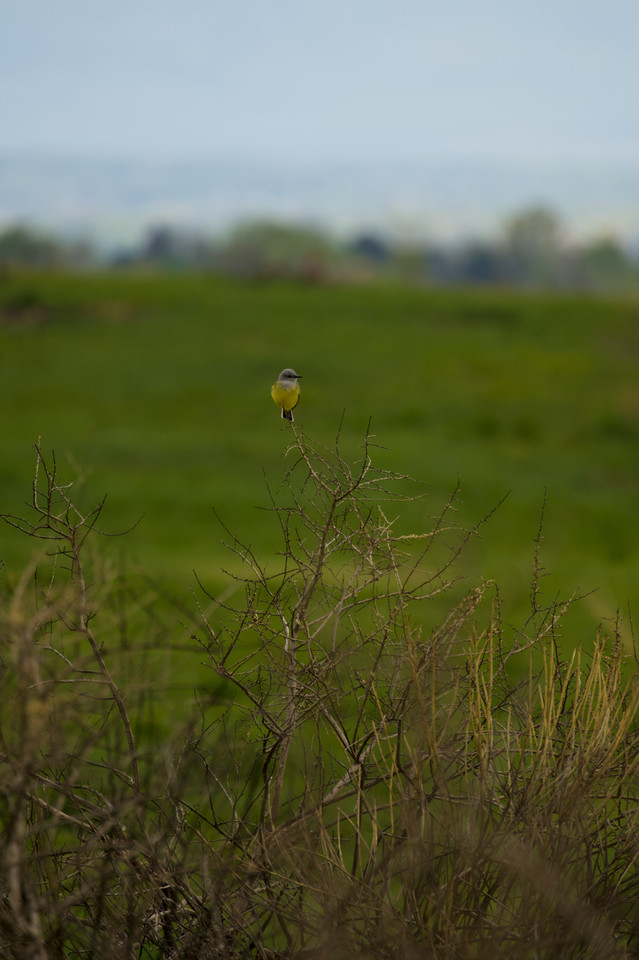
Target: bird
286,392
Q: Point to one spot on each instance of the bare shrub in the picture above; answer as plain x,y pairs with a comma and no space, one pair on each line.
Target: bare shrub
359,779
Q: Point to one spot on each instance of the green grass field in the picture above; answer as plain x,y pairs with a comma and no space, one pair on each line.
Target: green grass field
156,389
340,755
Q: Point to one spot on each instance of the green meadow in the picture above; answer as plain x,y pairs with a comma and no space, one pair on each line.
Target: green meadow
153,390
314,744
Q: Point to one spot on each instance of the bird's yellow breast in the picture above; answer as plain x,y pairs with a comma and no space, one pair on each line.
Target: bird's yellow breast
285,395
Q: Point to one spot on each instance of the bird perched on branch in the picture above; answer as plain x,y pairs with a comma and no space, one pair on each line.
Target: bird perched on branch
286,392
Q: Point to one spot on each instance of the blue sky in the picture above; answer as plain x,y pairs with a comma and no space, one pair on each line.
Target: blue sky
299,81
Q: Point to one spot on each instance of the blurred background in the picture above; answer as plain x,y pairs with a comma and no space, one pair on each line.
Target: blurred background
430,210
478,136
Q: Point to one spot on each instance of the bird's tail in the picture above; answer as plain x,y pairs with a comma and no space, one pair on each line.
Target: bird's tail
287,415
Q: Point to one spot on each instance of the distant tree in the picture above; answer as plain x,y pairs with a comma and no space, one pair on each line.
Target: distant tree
21,246
479,262
442,265
370,247
166,246
270,248
604,265
532,248
162,243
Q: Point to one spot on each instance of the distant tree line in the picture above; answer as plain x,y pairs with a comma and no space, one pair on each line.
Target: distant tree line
531,252
24,247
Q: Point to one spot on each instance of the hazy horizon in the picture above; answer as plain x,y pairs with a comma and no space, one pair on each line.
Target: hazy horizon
113,200
442,118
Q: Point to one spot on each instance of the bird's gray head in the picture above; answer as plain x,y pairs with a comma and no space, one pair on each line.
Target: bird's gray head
289,374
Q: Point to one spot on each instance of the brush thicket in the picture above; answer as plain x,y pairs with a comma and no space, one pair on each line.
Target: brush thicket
352,780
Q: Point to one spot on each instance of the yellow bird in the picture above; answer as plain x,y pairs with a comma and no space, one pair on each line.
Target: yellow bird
286,392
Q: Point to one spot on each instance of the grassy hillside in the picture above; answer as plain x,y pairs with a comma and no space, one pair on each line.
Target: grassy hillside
156,388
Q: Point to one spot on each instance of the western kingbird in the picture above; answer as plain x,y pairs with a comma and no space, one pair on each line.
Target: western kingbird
286,392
